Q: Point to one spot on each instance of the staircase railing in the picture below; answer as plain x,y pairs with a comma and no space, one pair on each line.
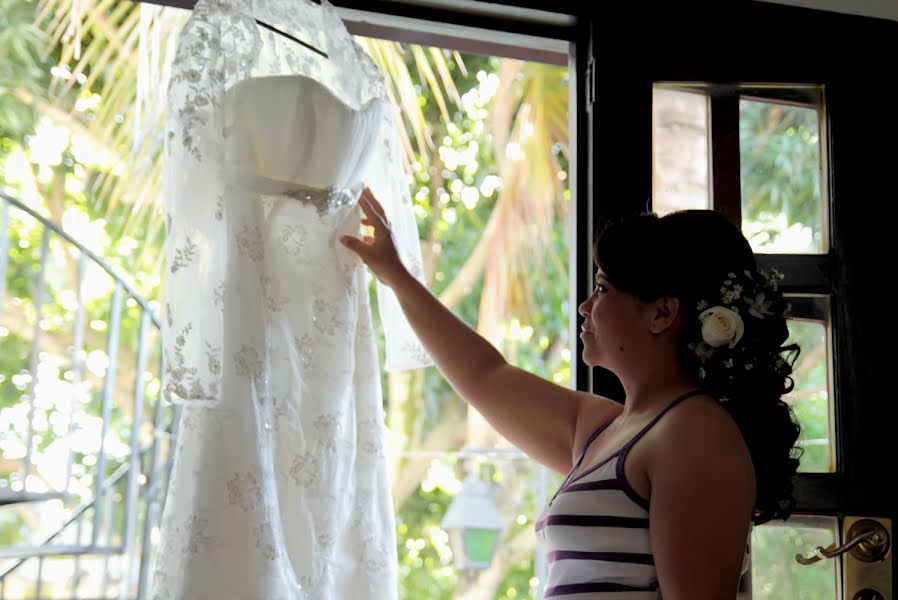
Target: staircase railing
86,456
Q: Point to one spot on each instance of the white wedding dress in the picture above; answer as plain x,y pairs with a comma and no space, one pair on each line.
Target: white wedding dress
279,489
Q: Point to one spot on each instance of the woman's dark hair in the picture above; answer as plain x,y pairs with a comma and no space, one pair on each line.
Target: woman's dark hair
703,260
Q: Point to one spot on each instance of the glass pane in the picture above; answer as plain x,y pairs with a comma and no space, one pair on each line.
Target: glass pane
469,169
680,151
775,572
811,398
480,544
782,202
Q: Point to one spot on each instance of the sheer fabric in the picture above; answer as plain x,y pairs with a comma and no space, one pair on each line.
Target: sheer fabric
279,489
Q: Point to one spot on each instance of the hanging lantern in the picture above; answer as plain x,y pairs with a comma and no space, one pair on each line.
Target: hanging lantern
473,524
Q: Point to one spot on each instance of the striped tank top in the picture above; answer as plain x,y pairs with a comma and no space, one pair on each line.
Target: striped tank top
594,532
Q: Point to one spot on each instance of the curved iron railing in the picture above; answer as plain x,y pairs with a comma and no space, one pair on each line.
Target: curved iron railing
126,459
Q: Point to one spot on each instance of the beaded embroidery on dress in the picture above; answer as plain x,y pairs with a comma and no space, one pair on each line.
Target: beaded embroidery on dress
279,489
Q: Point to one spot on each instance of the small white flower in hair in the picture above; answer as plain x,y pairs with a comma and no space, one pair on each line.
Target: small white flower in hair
703,351
728,363
760,306
749,367
773,278
721,326
730,296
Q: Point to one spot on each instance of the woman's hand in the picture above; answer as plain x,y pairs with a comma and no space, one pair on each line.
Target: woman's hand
378,251
537,415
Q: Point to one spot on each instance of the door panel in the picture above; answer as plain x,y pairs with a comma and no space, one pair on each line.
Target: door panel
776,116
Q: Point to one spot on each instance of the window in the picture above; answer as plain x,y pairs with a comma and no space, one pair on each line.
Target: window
771,180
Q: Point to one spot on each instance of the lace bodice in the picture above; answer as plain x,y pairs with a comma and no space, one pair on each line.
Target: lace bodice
253,111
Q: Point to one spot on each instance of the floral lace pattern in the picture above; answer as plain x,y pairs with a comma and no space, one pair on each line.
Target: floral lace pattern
279,489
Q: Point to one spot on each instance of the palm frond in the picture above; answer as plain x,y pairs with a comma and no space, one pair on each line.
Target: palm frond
119,51
426,74
532,100
20,69
432,67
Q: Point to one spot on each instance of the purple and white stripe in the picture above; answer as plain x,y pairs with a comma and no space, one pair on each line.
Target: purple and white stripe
595,531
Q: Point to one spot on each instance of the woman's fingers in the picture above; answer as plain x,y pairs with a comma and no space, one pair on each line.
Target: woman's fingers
372,208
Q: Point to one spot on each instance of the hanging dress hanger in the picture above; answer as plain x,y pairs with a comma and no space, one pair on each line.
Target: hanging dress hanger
290,37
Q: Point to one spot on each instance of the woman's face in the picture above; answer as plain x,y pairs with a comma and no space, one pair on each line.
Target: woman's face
612,322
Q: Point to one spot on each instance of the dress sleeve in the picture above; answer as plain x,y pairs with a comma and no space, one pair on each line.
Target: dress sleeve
388,181
193,190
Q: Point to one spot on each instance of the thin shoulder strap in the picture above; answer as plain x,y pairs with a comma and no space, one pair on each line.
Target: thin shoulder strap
658,417
592,437
580,456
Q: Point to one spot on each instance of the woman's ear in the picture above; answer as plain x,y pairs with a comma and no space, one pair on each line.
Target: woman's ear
664,314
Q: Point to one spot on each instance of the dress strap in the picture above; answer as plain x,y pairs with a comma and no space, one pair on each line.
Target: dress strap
626,447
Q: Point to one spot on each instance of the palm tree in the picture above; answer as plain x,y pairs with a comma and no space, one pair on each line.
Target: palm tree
21,72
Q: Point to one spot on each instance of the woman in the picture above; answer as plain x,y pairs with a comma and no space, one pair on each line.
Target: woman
661,492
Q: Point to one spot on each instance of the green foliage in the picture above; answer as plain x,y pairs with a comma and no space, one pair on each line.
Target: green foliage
780,164
776,573
22,67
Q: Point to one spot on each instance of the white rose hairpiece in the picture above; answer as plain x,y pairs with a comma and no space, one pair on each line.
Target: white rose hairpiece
743,299
721,326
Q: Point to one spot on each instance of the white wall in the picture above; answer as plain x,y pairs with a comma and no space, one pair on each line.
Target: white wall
882,9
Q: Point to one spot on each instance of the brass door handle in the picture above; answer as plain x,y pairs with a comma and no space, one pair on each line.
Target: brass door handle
868,541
